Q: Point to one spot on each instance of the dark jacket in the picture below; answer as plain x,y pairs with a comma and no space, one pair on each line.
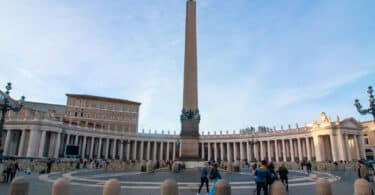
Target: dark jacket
283,172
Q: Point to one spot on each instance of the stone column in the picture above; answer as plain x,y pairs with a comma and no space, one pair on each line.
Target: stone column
235,151
333,147
114,153
228,152
308,148
215,151
340,137
284,151
248,151
42,144
106,149
121,149
269,150
299,148
155,150
148,150
84,147
291,150
142,149
168,158
276,151
262,156
57,146
22,143
209,151
7,142
256,153
161,151
318,156
100,148
356,145
92,147
128,150
76,140
33,142
135,150
222,151
174,150
67,139
203,154
242,152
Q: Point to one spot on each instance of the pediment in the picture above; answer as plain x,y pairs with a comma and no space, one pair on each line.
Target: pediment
350,123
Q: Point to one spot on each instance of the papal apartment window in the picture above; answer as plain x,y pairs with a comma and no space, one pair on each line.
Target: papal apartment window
75,114
366,140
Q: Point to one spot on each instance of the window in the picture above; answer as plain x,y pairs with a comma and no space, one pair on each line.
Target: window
75,114
366,140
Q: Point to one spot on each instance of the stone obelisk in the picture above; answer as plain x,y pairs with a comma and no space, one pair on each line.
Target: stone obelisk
190,113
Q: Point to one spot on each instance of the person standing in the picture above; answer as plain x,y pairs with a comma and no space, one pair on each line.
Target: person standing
283,173
204,178
261,175
308,167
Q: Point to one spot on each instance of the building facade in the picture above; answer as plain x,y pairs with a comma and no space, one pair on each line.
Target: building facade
108,128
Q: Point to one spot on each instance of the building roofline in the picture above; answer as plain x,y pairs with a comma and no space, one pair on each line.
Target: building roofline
93,97
45,103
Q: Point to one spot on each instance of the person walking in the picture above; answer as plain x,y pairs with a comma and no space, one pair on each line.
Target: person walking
204,178
283,174
214,176
261,175
308,167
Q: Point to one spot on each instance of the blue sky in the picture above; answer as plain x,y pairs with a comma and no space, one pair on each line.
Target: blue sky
267,63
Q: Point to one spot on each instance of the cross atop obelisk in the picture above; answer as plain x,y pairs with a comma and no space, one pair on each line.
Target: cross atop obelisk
190,117
190,113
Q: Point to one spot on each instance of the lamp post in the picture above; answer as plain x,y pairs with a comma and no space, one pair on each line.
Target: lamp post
370,110
6,104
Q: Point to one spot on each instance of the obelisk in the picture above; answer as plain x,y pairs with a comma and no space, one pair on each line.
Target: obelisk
190,117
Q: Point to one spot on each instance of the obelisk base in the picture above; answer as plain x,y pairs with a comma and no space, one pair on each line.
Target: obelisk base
189,148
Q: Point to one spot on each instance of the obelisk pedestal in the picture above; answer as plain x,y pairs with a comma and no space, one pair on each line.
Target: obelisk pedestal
190,117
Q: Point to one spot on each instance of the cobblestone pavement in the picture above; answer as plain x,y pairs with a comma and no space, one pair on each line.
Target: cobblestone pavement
134,183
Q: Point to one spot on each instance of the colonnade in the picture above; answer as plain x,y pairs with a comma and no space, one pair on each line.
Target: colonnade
317,148
39,142
43,143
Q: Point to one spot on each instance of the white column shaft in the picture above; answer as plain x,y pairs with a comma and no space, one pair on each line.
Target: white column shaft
42,144
308,148
57,146
22,143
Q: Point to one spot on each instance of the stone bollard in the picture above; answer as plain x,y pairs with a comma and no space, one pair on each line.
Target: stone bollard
169,187
61,187
323,187
222,187
362,187
150,167
111,187
19,186
278,188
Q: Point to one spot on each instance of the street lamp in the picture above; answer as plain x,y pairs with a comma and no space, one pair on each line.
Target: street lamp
370,110
6,104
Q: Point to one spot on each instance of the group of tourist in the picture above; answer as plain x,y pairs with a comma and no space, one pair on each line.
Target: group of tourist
265,175
9,172
209,172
